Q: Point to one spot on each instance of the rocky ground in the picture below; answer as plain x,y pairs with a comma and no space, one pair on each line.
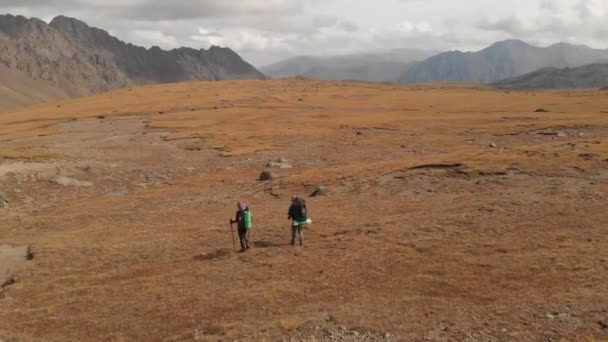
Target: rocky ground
447,213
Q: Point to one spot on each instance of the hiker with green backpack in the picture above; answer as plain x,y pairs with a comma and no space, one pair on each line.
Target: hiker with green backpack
298,213
244,221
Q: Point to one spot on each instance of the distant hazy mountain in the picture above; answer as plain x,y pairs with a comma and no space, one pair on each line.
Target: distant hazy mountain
502,60
378,67
67,58
591,76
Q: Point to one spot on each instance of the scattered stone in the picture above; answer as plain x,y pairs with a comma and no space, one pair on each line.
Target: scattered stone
542,110
67,181
3,201
493,145
359,133
603,325
279,163
161,113
320,191
562,134
156,178
101,117
91,170
588,156
581,134
117,193
267,175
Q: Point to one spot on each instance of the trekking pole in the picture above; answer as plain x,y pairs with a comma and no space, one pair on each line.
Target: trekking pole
232,231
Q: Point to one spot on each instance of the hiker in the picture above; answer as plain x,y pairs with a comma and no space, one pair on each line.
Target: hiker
298,213
244,221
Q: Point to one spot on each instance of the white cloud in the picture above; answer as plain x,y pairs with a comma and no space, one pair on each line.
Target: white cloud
264,31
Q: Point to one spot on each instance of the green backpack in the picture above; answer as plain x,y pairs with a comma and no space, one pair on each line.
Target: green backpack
247,218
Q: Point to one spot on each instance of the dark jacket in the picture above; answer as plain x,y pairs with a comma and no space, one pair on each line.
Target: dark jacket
294,213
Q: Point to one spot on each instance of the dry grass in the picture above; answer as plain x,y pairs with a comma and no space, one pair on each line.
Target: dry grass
511,245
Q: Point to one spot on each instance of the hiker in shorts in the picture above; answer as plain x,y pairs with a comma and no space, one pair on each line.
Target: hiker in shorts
243,219
298,214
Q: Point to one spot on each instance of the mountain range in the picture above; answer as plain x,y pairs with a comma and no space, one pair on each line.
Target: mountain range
592,76
499,61
374,67
67,58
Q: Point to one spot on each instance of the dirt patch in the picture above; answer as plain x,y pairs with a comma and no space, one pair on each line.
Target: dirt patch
21,167
212,256
435,166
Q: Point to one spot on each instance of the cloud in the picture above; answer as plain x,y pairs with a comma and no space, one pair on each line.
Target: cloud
577,21
168,10
263,31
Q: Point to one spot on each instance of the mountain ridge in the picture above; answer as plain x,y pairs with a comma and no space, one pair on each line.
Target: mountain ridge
592,76
374,67
82,60
501,60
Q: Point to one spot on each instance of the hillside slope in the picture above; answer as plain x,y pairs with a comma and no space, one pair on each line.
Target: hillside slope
450,214
17,90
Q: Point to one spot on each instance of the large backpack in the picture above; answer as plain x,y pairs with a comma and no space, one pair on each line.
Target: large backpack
247,218
302,209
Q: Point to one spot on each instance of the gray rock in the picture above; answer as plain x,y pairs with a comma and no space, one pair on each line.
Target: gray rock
267,175
91,170
320,191
493,145
117,193
67,181
276,165
3,201
279,163
156,178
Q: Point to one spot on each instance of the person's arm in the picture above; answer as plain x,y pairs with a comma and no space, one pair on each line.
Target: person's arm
290,213
236,219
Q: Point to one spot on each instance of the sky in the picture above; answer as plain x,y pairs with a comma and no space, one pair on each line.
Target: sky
266,31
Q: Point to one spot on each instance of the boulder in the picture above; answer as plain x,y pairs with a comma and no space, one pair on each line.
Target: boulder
91,170
320,191
267,175
3,201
